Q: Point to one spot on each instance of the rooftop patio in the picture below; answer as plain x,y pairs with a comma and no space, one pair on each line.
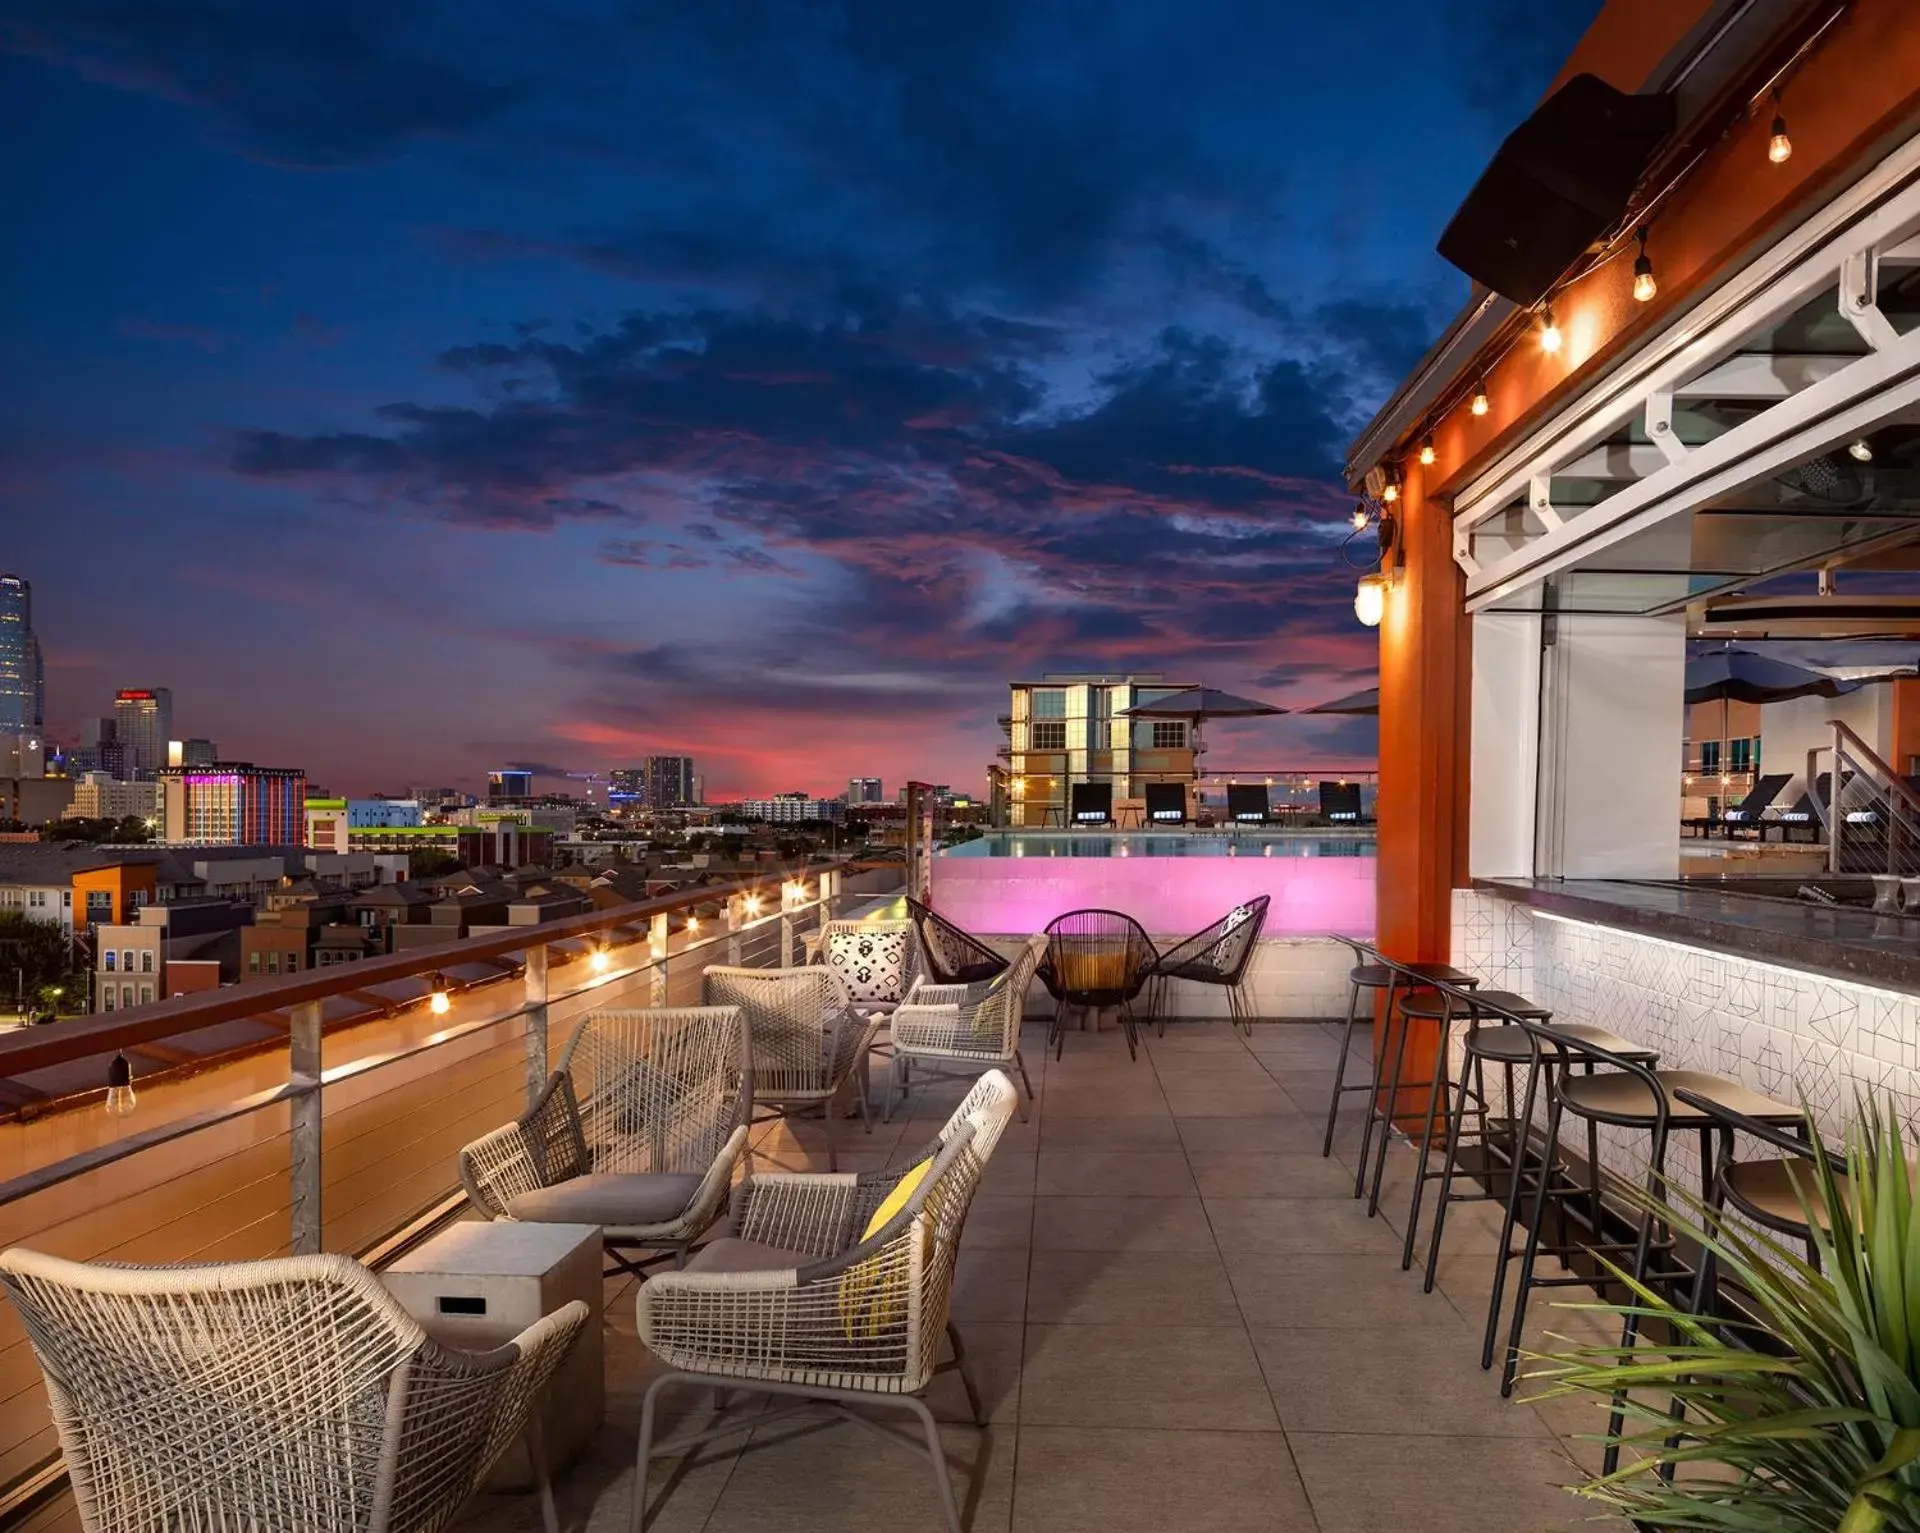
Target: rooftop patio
1179,1317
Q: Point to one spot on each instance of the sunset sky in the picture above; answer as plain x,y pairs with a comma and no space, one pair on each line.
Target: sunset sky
417,388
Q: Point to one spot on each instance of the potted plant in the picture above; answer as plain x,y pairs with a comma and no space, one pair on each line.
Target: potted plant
1802,1415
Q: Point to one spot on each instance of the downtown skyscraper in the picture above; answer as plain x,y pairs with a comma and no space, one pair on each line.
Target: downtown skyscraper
23,676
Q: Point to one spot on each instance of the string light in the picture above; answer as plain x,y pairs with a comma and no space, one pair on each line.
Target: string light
1426,452
1779,146
599,960
120,1097
1360,519
439,1001
693,926
1549,332
1391,492
1644,285
1479,405
1860,450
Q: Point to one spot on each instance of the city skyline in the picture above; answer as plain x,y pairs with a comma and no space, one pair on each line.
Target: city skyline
766,395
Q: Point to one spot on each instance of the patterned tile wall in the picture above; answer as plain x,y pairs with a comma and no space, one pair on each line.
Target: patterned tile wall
1795,1036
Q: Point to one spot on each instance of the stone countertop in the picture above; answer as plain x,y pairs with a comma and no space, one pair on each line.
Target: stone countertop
1841,942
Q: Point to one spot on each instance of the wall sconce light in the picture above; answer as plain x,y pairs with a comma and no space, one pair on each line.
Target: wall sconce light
1370,599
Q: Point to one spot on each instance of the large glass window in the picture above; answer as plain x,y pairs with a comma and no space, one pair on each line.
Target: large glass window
1049,734
1050,703
1709,755
1169,734
1741,755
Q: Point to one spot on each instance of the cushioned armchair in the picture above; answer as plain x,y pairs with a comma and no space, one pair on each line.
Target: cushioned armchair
638,1131
953,1028
830,1289
291,1395
808,1041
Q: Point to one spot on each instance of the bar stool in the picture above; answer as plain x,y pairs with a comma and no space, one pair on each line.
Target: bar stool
1370,974
1490,1039
1410,980
1629,1095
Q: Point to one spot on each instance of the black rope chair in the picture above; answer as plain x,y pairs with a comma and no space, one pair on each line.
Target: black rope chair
1218,955
1097,960
952,956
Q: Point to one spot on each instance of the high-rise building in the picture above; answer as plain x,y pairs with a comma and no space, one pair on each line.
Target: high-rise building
234,803
626,787
143,722
23,677
865,790
509,786
191,753
97,796
669,782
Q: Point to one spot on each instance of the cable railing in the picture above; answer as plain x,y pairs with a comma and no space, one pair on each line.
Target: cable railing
1872,816
344,1136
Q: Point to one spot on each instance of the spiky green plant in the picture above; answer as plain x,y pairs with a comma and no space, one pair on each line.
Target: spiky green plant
1811,1409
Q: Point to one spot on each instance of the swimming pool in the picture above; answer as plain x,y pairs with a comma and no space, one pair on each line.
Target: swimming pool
1173,883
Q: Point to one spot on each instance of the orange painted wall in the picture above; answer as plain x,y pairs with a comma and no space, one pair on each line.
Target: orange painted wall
1905,745
121,882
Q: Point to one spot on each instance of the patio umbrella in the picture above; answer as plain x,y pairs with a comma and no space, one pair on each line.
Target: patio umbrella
1200,704
1742,676
1367,702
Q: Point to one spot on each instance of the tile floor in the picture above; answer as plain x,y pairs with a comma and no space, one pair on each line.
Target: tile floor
1179,1319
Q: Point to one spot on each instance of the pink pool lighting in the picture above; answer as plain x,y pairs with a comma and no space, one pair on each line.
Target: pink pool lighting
1169,895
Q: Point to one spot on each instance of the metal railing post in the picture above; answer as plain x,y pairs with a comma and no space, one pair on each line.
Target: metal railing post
536,1003
1835,819
306,1128
736,910
786,927
657,950
829,894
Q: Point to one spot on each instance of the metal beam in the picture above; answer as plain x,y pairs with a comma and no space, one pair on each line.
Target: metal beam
1761,375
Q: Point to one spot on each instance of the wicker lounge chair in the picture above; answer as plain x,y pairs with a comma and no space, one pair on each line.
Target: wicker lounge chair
1096,960
1217,956
808,1041
801,1301
292,1395
949,955
638,1131
953,1028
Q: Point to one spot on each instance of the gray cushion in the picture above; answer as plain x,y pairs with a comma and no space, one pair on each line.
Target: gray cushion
621,1199
729,1255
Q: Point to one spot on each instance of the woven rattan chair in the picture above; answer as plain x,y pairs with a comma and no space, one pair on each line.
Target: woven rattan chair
1096,960
949,955
1217,956
954,1028
878,960
795,1302
638,1131
808,1041
291,1395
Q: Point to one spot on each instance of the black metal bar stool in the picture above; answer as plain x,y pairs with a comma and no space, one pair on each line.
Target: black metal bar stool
1371,975
1492,1038
1620,1092
1468,1095
1409,980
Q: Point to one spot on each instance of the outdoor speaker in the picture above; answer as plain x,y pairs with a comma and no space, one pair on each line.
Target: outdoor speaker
1340,800
1167,803
1561,179
1092,803
1246,801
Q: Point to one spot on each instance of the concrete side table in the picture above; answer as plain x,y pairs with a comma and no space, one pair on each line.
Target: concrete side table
477,1285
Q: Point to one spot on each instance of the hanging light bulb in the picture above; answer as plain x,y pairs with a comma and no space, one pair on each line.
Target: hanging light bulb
1391,492
1860,450
1644,285
752,903
1479,405
1360,519
1426,452
599,960
1370,600
439,1000
1549,332
693,926
1779,146
120,1097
